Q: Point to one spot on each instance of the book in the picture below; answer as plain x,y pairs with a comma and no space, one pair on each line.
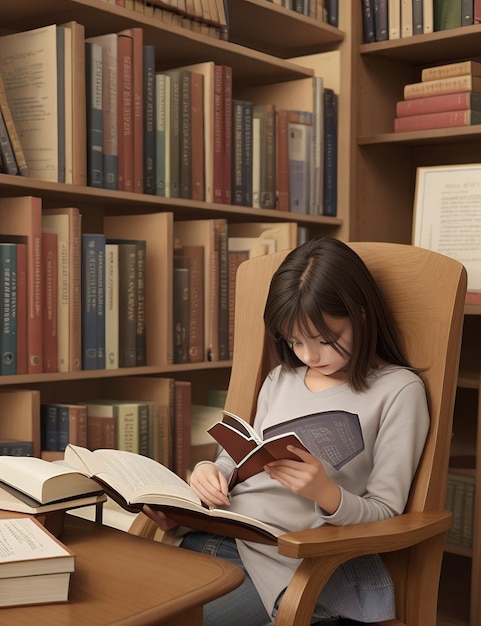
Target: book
149,111
452,84
182,407
406,18
94,94
133,480
136,36
8,307
266,196
11,131
93,301
22,312
394,19
35,567
447,70
330,161
34,53
50,291
333,436
78,131
9,163
23,216
197,128
242,129
418,17
428,16
156,230
185,135
15,447
66,223
109,45
125,136
12,499
111,306
443,119
435,104
20,410
381,20
181,314
368,33
447,14
299,133
45,481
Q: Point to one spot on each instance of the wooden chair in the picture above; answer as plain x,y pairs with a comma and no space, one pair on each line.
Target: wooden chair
426,292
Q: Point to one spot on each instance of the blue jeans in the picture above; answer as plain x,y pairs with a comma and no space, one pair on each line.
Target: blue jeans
242,606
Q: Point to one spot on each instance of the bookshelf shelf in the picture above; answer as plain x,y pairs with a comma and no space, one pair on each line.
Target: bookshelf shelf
385,170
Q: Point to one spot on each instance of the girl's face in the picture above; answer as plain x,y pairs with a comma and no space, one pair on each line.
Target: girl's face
325,356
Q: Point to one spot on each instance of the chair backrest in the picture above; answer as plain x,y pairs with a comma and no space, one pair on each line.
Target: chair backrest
425,291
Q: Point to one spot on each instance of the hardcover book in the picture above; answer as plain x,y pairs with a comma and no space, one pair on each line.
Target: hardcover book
133,480
333,436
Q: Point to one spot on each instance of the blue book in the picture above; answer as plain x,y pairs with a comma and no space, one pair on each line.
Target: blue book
329,206
8,300
93,70
368,33
149,119
63,426
381,20
93,301
49,427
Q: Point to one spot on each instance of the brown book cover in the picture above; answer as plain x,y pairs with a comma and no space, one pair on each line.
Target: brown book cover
435,104
443,119
451,84
77,424
50,290
227,133
235,259
185,132
194,257
282,167
79,114
125,134
100,431
137,114
66,222
23,216
197,133
12,131
183,402
218,135
157,230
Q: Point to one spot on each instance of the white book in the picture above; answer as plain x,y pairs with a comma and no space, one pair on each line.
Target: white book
394,18
406,18
34,53
111,306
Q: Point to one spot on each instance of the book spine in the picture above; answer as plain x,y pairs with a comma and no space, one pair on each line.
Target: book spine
182,397
185,169
368,21
149,119
48,427
445,85
162,135
218,135
174,153
436,104
50,291
127,306
74,293
137,108
141,276
77,426
126,427
125,135
110,110
61,154
197,127
418,17
8,162
221,245
12,132
444,119
477,12
16,448
93,60
461,68
111,306
235,259
237,132
394,19
92,262
8,295
63,426
282,161
22,313
247,154
227,133
406,18
194,256
100,296
268,192
381,20
329,201
143,425
299,141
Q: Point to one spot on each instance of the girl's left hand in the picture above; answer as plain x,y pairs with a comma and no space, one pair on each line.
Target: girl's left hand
306,477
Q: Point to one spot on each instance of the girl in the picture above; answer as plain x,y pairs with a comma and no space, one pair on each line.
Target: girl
338,350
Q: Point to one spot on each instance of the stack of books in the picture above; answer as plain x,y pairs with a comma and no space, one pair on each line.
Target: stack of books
447,96
35,567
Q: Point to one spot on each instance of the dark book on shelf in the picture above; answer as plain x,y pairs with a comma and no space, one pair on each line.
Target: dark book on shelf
93,301
149,103
9,164
8,306
181,283
95,160
329,205
15,447
50,300
185,139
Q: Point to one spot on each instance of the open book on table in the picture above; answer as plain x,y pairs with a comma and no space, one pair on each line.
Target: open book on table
32,485
333,436
133,480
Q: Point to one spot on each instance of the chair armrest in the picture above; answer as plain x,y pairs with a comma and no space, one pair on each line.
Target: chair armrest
387,535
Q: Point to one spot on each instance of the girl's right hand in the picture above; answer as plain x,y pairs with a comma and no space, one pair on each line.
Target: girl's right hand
210,485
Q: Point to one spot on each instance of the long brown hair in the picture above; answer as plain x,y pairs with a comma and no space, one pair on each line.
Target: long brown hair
325,276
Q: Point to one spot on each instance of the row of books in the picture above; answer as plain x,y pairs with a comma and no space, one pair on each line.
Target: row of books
460,501
146,415
393,19
448,95
324,10
111,121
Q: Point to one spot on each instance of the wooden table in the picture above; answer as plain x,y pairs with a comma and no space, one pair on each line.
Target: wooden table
125,580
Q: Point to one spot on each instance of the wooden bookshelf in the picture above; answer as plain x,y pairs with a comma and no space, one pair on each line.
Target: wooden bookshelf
383,178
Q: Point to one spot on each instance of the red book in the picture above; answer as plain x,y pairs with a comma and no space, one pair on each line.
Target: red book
218,135
445,119
23,216
50,287
436,104
197,135
125,136
282,160
137,86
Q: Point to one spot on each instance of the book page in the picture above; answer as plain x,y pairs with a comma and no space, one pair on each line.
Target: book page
21,539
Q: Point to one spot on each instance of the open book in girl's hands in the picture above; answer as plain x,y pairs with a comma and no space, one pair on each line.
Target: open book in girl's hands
133,480
334,436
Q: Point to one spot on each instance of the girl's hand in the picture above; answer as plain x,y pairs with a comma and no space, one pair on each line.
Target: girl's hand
210,485
306,477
